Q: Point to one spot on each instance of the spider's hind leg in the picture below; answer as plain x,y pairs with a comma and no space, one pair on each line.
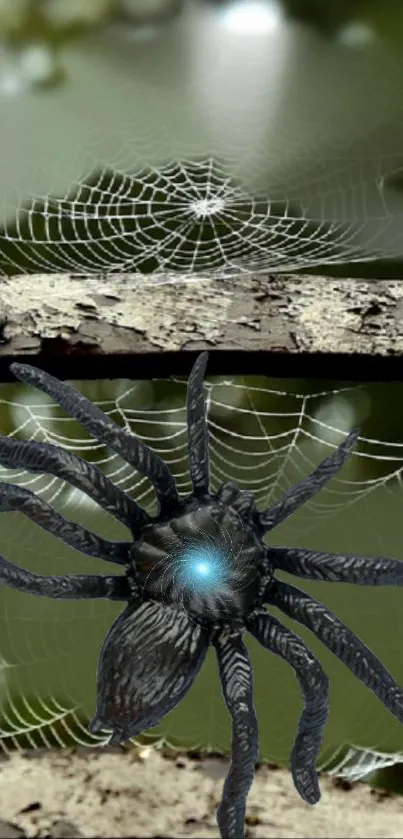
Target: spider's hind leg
314,683
237,687
340,640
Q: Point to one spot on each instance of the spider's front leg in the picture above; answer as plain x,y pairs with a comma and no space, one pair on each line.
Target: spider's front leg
39,458
100,426
305,489
19,499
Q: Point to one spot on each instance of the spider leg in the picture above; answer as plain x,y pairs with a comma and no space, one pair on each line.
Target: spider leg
19,499
237,687
309,486
68,587
245,504
314,684
44,457
340,640
197,428
140,456
338,568
241,500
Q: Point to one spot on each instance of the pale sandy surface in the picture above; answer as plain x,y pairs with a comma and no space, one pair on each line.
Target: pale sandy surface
100,793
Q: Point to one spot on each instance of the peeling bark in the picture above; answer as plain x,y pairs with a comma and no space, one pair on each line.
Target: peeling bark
128,314
288,315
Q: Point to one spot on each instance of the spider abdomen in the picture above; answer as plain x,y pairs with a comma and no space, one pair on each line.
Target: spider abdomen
205,559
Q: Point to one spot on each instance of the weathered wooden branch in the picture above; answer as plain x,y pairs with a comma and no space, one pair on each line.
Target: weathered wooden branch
78,317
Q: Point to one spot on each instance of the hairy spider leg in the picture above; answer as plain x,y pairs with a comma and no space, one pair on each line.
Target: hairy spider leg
338,568
340,640
68,587
47,458
305,489
237,689
18,499
314,684
198,444
136,453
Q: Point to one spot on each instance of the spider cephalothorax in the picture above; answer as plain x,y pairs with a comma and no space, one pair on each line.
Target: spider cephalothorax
198,573
206,557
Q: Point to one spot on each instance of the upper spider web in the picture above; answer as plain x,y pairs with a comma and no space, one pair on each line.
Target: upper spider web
203,152
195,216
266,434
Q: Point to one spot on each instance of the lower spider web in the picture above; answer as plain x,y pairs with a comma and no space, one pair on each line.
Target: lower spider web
266,434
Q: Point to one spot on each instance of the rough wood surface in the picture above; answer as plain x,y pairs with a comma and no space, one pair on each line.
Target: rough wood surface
289,314
143,793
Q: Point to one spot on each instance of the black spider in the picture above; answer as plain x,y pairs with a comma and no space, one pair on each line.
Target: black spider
196,574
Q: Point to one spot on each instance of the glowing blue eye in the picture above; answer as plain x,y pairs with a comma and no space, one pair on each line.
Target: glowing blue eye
201,566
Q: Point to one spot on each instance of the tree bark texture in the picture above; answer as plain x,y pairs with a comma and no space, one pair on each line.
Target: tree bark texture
76,316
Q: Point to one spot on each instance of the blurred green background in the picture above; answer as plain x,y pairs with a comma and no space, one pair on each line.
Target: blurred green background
302,103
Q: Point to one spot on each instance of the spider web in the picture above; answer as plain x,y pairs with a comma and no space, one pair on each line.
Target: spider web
266,434
193,216
212,154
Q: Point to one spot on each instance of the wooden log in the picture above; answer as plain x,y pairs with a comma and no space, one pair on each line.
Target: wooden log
305,325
